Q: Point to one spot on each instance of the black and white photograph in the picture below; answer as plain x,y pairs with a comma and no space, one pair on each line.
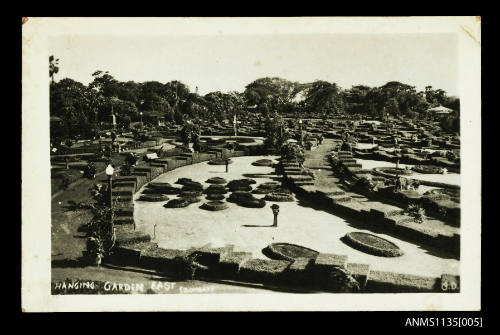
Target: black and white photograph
210,162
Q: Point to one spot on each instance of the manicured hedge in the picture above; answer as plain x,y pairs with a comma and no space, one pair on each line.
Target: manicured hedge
188,193
241,182
220,162
372,244
215,196
262,271
177,203
216,180
215,206
288,251
263,162
389,282
279,197
153,197
216,188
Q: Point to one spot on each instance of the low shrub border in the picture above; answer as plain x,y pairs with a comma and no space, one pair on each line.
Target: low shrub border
372,244
288,251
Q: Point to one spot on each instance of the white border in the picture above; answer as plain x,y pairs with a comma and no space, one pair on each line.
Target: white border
36,200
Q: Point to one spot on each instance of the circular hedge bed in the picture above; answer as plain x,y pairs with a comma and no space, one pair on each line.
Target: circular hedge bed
266,188
372,244
239,196
153,197
255,203
215,196
215,188
177,203
246,199
428,169
279,197
263,162
191,199
395,171
214,206
189,193
288,252
219,162
241,188
216,180
241,184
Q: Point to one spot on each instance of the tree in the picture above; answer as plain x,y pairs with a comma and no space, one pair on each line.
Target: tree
189,133
276,133
293,152
53,67
324,97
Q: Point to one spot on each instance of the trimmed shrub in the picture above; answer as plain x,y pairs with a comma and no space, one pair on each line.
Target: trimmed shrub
216,180
191,199
165,188
214,206
241,184
187,193
153,197
255,203
215,196
216,188
372,244
239,196
177,203
279,197
263,162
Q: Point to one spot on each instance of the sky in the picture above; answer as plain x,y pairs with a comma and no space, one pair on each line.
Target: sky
229,63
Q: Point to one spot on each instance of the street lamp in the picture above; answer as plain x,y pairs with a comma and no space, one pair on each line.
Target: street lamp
276,209
141,119
109,172
300,127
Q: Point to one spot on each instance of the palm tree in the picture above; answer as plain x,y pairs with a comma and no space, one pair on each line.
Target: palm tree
53,67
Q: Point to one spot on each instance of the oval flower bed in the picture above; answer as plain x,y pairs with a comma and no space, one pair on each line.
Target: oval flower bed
279,197
216,180
177,203
214,206
288,252
153,197
263,162
372,244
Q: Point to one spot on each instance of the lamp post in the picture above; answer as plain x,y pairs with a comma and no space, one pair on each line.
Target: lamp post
109,172
276,209
141,119
300,127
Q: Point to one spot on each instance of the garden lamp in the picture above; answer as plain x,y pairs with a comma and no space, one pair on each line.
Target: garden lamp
109,172
276,209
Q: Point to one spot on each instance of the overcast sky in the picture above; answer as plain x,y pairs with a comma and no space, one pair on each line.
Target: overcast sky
225,63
